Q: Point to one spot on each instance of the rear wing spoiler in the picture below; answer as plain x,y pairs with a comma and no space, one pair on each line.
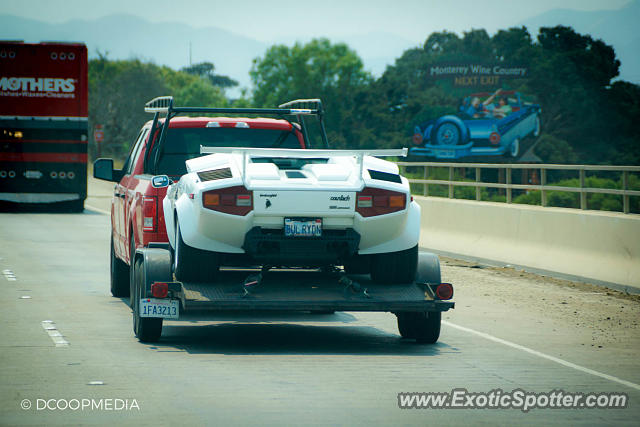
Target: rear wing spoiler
247,153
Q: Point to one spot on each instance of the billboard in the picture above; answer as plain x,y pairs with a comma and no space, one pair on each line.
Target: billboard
490,120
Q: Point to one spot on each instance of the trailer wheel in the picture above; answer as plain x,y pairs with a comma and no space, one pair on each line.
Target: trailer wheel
424,327
119,275
147,329
406,326
192,264
395,267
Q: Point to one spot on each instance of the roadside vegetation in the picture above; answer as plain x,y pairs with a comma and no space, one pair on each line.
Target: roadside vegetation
588,116
561,199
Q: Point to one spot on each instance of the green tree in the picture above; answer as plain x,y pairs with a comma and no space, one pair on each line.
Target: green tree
192,90
318,69
206,70
117,93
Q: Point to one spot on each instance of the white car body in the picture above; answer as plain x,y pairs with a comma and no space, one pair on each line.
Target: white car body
328,188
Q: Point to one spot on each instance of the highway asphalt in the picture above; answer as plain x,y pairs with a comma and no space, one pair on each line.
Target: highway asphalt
65,342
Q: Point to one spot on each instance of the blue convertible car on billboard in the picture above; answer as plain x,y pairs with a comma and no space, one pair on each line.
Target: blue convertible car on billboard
479,129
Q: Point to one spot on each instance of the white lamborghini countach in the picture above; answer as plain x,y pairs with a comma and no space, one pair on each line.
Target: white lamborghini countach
269,200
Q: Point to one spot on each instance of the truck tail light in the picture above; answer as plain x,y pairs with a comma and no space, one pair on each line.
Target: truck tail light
444,291
149,213
159,290
232,200
494,138
376,201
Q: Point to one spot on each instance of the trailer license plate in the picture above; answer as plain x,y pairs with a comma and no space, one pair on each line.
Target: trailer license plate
302,228
163,308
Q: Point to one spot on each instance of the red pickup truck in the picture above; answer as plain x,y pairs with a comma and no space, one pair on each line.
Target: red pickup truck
158,156
136,207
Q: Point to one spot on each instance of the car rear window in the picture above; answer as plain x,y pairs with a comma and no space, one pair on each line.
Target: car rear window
183,144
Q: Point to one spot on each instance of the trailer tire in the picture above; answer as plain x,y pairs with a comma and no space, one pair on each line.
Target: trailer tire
424,327
192,264
406,326
395,267
119,275
147,329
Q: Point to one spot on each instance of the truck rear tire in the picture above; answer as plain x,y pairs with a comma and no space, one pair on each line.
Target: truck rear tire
193,265
395,267
147,329
119,275
424,327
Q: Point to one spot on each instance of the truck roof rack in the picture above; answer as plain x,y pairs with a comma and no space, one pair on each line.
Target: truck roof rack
298,108
164,104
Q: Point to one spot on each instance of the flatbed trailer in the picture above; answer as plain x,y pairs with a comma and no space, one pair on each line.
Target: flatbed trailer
157,296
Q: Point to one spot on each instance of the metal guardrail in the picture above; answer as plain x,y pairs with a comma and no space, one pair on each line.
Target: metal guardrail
543,187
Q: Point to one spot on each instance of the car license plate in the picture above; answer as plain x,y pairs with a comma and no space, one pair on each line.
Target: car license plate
302,227
163,308
446,154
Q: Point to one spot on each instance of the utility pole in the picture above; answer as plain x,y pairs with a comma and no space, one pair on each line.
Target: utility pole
190,54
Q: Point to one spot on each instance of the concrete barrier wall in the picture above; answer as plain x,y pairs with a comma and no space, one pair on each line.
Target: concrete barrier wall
595,245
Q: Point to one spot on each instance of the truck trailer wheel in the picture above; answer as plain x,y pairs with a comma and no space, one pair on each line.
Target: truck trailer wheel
192,264
395,267
147,329
119,275
424,327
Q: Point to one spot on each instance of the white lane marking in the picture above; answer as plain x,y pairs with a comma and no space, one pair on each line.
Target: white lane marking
102,211
54,333
9,275
545,356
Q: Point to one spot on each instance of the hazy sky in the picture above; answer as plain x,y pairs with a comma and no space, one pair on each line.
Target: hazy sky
272,20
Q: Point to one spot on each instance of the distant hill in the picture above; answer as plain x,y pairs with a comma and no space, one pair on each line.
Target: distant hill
618,28
126,36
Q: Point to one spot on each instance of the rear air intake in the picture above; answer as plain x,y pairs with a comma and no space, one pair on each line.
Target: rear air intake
215,174
385,176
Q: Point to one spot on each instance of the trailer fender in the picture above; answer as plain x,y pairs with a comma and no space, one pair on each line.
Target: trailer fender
428,268
156,265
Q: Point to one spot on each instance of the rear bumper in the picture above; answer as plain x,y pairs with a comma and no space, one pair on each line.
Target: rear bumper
218,232
273,247
456,151
40,197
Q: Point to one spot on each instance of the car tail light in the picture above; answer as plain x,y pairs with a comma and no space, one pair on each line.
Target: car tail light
494,138
232,200
149,213
159,289
444,291
376,201
417,139
365,201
